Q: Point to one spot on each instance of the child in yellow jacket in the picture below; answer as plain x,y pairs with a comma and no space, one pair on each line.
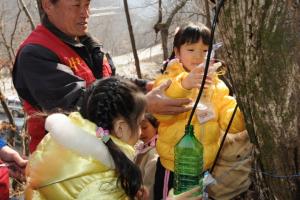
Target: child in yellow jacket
186,72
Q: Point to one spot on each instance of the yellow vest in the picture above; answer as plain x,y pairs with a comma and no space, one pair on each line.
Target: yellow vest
55,172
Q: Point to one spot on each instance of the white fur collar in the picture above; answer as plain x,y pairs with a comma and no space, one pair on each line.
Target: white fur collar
64,132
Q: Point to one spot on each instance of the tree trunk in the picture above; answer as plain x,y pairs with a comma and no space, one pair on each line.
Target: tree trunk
134,50
164,32
40,9
207,12
261,40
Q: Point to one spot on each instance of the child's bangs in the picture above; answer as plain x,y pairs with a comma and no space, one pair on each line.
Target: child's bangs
193,34
190,35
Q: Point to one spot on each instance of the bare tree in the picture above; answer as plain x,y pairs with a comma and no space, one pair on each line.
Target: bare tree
8,39
5,43
12,35
10,51
207,12
262,40
163,27
27,13
8,42
134,50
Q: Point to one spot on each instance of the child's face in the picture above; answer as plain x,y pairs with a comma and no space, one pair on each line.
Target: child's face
148,131
132,137
191,55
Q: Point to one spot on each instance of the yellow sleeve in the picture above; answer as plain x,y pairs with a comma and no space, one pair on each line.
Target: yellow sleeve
238,123
174,91
225,105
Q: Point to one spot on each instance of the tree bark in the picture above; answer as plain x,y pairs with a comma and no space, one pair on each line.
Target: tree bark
207,12
134,50
261,40
163,27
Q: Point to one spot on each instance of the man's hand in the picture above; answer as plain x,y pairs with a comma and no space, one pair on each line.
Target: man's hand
15,162
159,103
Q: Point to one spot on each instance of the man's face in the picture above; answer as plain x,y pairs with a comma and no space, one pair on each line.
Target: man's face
69,16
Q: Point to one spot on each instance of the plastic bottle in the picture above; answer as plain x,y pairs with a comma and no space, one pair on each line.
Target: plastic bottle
205,110
188,162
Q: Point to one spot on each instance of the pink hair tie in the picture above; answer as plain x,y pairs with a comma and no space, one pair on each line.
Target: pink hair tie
103,134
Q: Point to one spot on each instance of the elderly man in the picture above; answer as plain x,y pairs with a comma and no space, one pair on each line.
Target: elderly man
59,59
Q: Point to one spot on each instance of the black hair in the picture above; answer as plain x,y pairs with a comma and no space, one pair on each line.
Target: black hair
103,102
152,120
42,12
188,34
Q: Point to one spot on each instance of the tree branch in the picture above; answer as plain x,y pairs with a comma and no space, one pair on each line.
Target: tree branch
27,13
14,31
174,11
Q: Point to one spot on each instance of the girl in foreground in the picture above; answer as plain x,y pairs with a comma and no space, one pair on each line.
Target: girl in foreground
88,155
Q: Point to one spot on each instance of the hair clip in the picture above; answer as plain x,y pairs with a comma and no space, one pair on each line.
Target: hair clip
103,134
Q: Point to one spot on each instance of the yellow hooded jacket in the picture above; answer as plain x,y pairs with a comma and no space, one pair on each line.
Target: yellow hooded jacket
171,127
56,172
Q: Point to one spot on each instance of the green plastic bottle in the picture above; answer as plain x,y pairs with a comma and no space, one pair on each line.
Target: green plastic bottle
188,162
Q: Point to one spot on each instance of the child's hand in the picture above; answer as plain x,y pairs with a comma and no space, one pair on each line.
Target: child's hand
194,79
143,193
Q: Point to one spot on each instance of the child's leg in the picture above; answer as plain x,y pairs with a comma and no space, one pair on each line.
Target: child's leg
162,176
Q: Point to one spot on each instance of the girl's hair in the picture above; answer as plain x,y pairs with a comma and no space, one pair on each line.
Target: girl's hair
188,34
152,120
103,102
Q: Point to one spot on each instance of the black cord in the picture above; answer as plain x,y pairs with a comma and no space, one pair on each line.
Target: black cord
223,140
218,8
